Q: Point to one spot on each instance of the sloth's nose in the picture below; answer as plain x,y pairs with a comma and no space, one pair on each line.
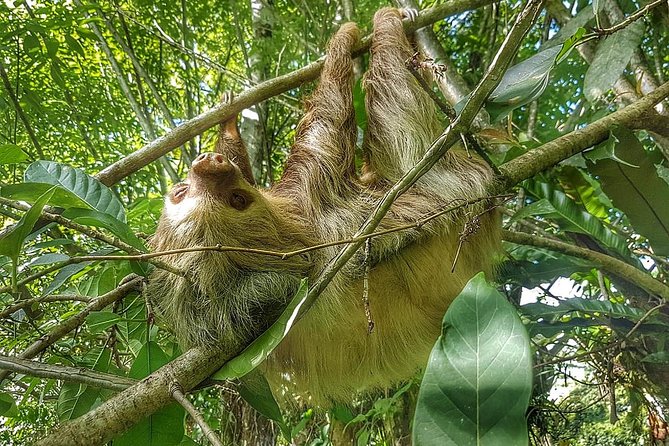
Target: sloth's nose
211,157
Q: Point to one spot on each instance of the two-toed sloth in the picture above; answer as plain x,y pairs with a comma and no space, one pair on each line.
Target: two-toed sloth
329,354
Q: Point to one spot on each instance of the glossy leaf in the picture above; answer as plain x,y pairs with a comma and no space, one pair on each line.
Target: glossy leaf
478,380
94,193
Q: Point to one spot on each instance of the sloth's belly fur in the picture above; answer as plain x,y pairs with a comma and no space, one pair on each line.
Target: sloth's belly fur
331,349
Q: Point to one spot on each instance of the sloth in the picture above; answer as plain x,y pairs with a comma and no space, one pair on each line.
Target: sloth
404,281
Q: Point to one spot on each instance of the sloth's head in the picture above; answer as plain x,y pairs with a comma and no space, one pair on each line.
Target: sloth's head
217,205
214,191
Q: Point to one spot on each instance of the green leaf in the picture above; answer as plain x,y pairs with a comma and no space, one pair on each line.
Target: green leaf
612,56
90,190
7,405
586,191
163,428
12,154
104,220
30,192
255,390
522,83
75,400
47,259
577,305
637,191
656,358
74,45
478,380
259,349
572,27
31,44
575,218
12,240
99,321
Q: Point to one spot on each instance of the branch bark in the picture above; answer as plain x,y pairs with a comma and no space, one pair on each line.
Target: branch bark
608,263
65,373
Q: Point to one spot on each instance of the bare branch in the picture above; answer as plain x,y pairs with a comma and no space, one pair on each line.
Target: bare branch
65,373
608,263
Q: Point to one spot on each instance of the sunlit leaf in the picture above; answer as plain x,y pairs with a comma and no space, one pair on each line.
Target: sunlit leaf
90,190
478,381
12,154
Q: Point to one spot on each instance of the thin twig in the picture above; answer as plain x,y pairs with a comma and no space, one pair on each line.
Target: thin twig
178,394
630,18
49,298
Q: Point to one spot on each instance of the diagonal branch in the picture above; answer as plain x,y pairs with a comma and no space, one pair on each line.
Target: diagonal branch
608,263
196,126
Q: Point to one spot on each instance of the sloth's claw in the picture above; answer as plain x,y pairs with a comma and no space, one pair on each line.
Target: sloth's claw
410,14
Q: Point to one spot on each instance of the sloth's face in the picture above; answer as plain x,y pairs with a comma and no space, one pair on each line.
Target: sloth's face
214,183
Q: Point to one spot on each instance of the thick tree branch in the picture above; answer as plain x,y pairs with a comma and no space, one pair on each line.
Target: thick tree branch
65,373
196,126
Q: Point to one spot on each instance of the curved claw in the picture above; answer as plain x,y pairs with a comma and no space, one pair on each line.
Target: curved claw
227,97
410,14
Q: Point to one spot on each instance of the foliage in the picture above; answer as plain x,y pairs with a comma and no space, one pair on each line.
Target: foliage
84,84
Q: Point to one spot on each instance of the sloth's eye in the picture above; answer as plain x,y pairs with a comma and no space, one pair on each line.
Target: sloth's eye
239,200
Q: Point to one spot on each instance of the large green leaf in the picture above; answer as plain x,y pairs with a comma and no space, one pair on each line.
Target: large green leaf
522,83
637,191
259,349
90,190
75,400
478,380
613,55
572,217
255,390
163,428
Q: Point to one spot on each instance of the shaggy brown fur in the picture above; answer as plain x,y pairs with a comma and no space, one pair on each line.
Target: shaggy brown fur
329,355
